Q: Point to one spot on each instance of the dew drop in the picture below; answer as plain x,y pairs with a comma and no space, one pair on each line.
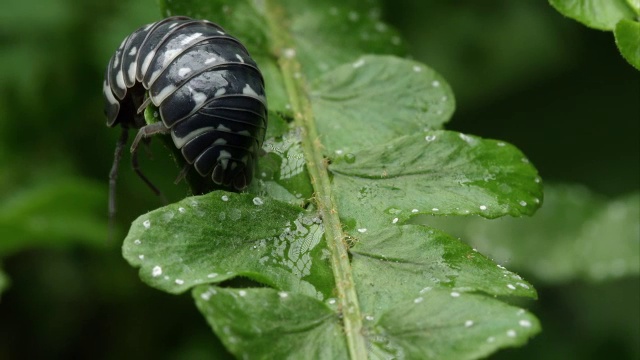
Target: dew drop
395,220
181,209
289,53
523,285
242,293
369,318
510,286
435,209
362,231
524,323
212,275
430,138
417,68
358,63
141,257
418,300
179,281
156,271
511,333
257,201
455,294
137,241
283,295
491,339
523,203
435,83
415,211
350,158
224,198
146,224
483,207
468,323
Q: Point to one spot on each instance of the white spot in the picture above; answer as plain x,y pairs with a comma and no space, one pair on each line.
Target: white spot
220,92
430,138
131,73
181,209
212,275
164,93
283,295
198,98
133,51
248,90
418,300
183,71
435,83
156,271
501,267
523,285
146,62
210,60
331,301
435,209
137,241
240,58
466,138
179,281
523,203
510,286
537,201
141,257
353,16
524,323
511,333
395,220
468,323
120,80
501,144
455,294
483,207
205,296
224,198
146,224
363,230
417,68
289,53
242,293
257,201
415,211
358,63
189,39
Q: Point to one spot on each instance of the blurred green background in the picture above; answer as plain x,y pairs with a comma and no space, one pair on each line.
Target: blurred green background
520,71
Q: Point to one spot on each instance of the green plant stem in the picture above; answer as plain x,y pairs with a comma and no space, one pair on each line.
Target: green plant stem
317,167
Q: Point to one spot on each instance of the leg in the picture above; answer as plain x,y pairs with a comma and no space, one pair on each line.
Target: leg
113,178
143,133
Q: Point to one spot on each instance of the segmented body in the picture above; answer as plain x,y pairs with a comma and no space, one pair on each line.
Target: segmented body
209,92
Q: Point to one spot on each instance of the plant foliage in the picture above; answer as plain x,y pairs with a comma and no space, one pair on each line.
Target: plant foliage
354,153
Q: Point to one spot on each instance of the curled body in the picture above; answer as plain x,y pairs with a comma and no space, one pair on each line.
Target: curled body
209,92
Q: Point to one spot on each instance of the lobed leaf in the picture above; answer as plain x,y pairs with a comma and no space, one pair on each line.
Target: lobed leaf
627,34
436,172
597,14
440,324
402,262
376,99
220,235
267,324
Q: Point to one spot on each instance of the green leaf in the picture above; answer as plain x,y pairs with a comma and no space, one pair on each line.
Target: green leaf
402,262
376,99
267,324
627,35
576,235
436,172
40,215
597,14
441,324
218,236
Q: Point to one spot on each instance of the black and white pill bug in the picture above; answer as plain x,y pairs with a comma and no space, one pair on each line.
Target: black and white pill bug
209,92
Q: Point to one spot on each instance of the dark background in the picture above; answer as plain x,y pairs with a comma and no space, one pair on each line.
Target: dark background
520,71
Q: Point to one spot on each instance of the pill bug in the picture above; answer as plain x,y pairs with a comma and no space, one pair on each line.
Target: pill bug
209,93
